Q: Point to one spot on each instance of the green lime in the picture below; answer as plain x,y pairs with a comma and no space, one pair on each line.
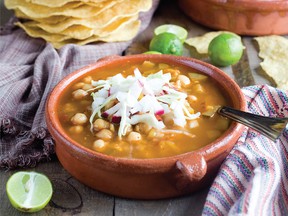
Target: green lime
166,43
225,49
152,52
174,29
29,191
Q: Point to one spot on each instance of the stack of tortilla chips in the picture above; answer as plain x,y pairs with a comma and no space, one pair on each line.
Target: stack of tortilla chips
79,21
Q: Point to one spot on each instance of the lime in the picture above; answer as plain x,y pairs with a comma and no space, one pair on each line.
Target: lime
29,191
166,43
225,49
174,29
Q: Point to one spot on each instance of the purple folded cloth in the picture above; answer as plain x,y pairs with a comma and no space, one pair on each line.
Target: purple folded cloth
253,180
29,69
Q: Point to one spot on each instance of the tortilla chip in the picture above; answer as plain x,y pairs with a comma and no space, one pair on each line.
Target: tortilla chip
115,13
48,20
201,43
79,32
72,9
60,3
273,51
80,22
39,33
125,33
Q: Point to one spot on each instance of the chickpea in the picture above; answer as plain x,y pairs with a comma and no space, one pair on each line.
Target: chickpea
69,107
112,127
79,94
87,87
192,99
143,128
110,104
153,133
78,85
168,119
134,137
105,134
198,88
193,123
137,128
87,79
86,103
100,124
128,129
184,80
77,129
79,119
98,145
174,73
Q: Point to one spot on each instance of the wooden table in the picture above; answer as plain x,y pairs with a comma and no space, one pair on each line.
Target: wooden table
71,197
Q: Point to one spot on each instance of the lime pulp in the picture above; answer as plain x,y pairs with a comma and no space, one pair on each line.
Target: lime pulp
29,191
152,52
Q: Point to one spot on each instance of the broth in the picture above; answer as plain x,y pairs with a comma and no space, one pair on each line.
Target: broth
172,134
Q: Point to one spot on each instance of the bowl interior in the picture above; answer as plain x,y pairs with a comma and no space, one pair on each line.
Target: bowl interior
228,86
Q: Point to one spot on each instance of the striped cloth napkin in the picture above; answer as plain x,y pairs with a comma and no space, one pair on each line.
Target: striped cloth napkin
253,180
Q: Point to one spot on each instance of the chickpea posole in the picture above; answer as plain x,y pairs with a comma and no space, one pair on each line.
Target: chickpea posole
145,110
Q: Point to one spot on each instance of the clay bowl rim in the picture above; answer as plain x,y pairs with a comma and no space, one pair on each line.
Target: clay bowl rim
208,152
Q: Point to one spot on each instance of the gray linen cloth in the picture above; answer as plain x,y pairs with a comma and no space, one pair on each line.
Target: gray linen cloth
29,69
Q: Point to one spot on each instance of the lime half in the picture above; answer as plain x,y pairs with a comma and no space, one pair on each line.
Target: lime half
29,191
179,31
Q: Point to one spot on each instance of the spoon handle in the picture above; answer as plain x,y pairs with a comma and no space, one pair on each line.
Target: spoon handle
268,126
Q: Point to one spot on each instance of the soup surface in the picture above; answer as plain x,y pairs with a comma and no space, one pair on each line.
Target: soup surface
145,110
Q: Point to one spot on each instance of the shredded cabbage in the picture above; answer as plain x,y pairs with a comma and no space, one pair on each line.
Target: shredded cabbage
140,99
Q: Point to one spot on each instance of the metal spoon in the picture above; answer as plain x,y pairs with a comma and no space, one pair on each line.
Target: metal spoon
268,126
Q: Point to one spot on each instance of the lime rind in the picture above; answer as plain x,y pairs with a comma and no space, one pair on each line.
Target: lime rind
225,49
29,191
179,31
166,43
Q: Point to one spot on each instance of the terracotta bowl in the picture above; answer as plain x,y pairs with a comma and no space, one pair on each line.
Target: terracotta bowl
145,178
245,17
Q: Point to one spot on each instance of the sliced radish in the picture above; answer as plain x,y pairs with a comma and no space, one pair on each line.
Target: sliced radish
111,111
116,119
147,118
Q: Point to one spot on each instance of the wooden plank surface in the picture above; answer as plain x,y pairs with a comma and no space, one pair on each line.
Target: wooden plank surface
71,197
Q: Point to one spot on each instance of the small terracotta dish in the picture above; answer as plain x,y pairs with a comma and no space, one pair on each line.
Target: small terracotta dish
154,178
244,17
